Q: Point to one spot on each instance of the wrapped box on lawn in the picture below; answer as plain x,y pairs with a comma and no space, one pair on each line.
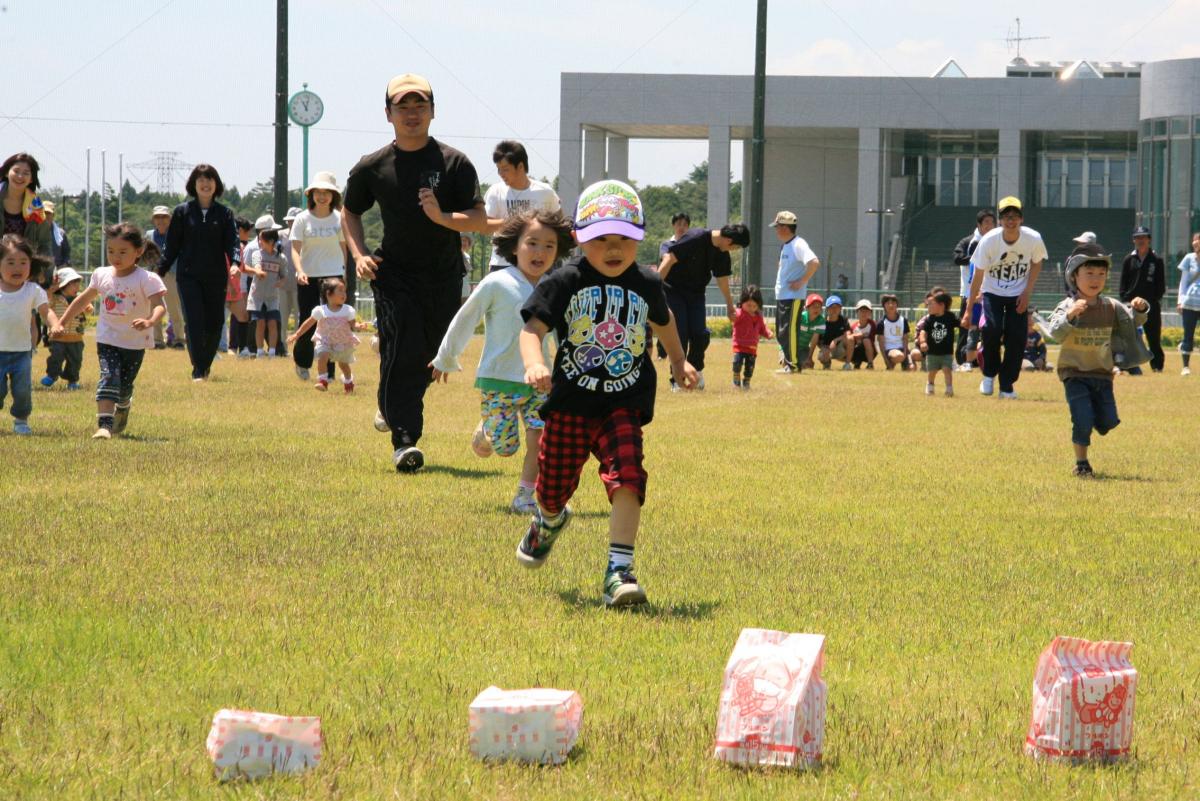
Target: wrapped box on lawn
538,725
773,700
1082,701
256,744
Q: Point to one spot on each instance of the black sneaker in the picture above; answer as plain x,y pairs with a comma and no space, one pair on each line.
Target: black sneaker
120,418
1083,471
408,457
534,548
621,588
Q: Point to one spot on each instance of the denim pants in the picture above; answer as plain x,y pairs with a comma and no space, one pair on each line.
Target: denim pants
1003,326
1092,405
17,367
691,322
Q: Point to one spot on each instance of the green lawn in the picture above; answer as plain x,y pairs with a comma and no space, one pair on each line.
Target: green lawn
249,545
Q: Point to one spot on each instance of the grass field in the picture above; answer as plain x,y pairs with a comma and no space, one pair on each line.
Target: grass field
249,545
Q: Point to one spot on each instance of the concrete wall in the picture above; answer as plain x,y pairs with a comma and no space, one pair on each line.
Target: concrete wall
1170,88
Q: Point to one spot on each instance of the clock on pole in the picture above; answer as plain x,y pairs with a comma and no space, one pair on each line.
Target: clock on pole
305,109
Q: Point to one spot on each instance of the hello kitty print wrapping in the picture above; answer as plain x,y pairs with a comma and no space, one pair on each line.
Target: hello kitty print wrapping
772,709
124,299
602,361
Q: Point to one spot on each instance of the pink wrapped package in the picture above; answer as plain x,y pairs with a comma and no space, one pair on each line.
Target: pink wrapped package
1082,701
538,725
255,744
773,700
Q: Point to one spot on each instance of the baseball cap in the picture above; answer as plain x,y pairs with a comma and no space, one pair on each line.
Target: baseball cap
1086,238
266,223
408,83
864,304
1141,230
814,298
48,206
609,207
160,211
1009,202
784,218
66,275
834,300
292,213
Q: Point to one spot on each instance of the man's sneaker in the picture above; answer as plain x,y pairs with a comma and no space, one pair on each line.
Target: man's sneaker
408,459
987,385
47,381
120,418
381,424
534,548
302,373
102,433
1008,395
523,503
73,386
949,392
480,442
621,588
929,389
1083,471
21,427
1186,371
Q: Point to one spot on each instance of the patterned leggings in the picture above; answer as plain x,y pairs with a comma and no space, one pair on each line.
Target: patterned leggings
502,413
743,366
118,369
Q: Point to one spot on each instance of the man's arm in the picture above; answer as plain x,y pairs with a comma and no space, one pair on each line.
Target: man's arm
364,263
664,266
976,283
471,220
723,285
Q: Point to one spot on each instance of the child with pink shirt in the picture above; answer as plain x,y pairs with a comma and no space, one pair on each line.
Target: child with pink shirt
748,328
334,340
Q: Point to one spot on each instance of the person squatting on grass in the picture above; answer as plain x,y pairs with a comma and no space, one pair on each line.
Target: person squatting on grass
863,332
748,328
892,334
602,389
531,240
935,339
334,340
66,351
131,303
20,297
1095,333
837,341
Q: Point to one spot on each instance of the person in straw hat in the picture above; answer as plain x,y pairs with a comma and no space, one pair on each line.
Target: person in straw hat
318,251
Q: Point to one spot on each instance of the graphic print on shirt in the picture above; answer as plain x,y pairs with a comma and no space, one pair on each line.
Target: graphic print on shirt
613,344
938,332
114,303
1010,268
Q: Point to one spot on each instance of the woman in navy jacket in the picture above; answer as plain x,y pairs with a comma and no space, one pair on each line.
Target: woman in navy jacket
202,245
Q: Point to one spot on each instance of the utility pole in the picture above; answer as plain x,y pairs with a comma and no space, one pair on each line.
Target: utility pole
281,98
757,145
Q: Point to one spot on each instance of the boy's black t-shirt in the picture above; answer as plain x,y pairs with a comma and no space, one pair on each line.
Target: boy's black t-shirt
834,329
699,261
939,332
602,363
414,246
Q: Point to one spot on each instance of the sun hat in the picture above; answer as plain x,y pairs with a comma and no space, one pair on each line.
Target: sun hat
160,211
407,84
784,218
292,213
66,275
266,223
814,297
1090,253
1007,203
609,207
864,304
323,180
834,300
1086,238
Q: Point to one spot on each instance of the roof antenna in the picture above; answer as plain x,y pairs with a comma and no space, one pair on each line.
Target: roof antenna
1014,39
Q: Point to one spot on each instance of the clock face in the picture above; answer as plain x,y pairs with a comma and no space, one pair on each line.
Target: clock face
305,108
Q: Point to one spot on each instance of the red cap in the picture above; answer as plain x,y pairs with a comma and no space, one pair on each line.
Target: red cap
814,298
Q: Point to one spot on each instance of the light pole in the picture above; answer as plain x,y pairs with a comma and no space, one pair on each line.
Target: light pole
757,148
879,215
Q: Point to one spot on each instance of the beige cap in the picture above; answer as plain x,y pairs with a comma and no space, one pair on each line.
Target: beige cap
864,304
160,211
784,218
48,206
266,223
408,83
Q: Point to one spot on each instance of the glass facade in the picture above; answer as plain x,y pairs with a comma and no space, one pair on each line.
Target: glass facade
951,168
1084,170
1169,203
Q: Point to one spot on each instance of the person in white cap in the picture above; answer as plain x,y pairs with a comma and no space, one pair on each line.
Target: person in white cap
797,265
318,251
428,194
66,349
161,219
1086,238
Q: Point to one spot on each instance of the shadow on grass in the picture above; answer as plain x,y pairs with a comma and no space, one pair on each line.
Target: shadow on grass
460,472
1126,477
144,438
576,601
574,515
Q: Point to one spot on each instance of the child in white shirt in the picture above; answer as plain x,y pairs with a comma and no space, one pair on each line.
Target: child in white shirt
19,298
334,340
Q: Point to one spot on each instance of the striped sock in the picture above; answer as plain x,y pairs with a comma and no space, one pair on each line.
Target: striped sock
619,556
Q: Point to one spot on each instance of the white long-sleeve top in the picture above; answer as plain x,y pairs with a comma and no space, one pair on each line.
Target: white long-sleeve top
497,300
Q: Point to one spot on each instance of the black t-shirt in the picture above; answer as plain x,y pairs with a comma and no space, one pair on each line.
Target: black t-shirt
939,332
413,245
834,329
699,260
602,363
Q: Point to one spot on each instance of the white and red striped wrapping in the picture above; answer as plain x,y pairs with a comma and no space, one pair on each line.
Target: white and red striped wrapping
252,745
537,725
773,700
1083,694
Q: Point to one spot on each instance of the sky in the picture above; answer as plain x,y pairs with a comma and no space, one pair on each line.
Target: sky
139,76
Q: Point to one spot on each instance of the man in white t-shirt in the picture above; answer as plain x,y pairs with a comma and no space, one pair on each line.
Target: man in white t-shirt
1006,265
797,265
515,193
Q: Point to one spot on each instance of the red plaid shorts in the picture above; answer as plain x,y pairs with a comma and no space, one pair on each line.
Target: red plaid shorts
568,439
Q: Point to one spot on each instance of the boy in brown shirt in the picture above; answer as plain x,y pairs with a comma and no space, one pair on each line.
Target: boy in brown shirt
1089,325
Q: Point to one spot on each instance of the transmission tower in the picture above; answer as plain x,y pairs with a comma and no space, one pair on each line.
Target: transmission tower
166,165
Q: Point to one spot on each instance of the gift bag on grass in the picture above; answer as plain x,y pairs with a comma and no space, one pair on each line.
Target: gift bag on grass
773,700
245,744
1082,701
537,725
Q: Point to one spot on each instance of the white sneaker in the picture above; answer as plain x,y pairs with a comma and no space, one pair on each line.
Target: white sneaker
949,392
523,503
1008,395
380,423
302,373
929,389
847,366
987,385
1186,371
245,353
700,383
260,354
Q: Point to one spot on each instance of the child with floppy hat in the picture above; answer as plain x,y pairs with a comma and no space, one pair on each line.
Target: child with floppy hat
602,387
1096,332
66,349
